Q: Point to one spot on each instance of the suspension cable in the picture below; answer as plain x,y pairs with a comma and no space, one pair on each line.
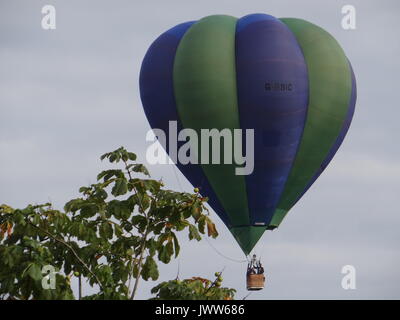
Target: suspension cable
208,241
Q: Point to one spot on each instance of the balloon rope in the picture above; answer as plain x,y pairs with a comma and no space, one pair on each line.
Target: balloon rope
209,243
224,256
177,178
247,295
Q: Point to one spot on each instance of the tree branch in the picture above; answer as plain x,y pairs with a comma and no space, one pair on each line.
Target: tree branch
80,286
72,250
140,264
141,209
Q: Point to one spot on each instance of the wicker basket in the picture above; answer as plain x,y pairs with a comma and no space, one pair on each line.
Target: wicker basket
255,282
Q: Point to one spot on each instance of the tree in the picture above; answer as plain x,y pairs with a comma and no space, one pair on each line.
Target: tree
112,236
195,288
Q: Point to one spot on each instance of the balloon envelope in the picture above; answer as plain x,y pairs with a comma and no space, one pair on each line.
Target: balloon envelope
287,79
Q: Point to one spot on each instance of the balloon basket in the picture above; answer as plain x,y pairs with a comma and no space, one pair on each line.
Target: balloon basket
255,282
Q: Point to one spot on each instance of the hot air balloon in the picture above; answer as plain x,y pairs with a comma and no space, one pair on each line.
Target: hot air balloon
287,79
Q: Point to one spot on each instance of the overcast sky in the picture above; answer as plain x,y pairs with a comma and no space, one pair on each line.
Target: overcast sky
68,95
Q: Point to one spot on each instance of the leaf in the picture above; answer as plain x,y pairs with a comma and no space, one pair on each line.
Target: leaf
119,209
177,248
132,156
74,205
100,193
152,185
81,231
164,237
6,209
152,245
120,187
150,269
196,211
106,155
35,272
170,247
106,230
163,254
127,226
3,229
113,157
141,168
109,230
211,229
74,228
118,230
157,228
84,190
107,174
89,210
139,221
193,233
19,218
201,222
7,257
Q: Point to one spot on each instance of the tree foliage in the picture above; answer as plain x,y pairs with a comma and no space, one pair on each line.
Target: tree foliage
195,288
114,234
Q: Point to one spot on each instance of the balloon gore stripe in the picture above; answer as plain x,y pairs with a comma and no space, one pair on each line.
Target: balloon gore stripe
286,79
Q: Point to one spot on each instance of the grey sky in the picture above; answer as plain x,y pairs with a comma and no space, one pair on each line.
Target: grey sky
68,95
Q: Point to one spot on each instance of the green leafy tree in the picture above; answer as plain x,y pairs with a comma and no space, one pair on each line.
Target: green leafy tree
195,288
112,236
